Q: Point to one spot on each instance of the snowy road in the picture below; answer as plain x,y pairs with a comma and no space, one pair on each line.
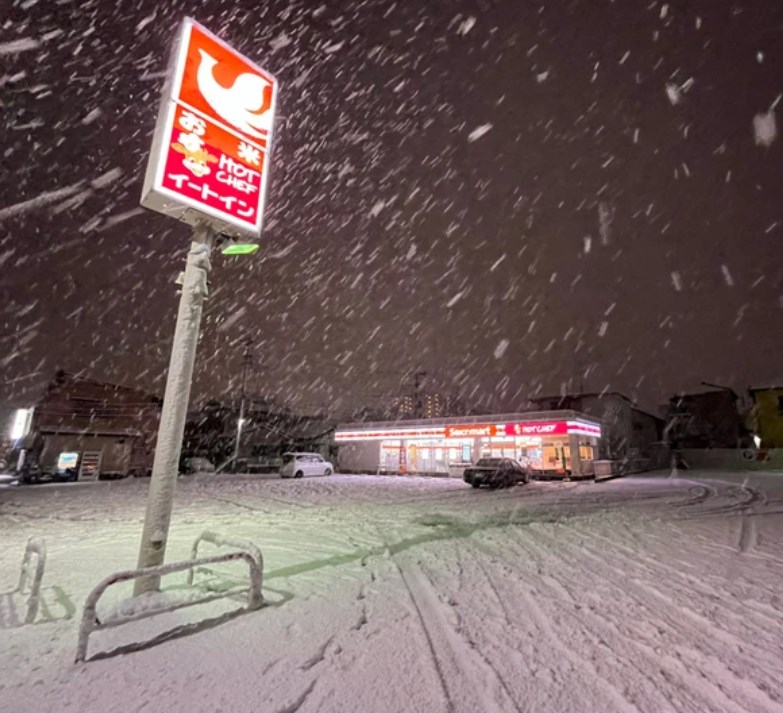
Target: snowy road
399,594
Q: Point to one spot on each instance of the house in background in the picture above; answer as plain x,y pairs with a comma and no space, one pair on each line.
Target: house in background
269,429
707,419
629,434
105,430
766,415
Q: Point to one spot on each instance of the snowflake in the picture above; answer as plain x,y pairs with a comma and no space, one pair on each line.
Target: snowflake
478,132
249,153
192,123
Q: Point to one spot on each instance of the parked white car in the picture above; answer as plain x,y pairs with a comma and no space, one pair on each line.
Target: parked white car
298,465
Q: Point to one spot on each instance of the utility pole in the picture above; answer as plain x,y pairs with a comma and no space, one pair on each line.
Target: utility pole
165,466
247,358
418,377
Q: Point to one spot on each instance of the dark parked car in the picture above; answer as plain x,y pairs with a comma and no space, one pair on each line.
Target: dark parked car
496,473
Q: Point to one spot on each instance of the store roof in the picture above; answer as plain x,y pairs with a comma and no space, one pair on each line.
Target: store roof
581,395
754,389
560,415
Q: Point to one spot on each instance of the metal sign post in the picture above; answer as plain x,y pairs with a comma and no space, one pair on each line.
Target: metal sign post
208,167
165,467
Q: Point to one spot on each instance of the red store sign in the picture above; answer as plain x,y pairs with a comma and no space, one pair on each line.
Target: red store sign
553,428
211,149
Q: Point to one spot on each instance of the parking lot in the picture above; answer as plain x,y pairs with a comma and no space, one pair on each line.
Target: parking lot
646,593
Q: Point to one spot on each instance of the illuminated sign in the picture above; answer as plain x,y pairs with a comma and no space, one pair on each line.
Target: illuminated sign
555,428
471,431
20,426
210,152
582,428
67,460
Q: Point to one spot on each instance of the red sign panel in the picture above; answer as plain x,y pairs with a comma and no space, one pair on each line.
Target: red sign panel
542,428
471,431
211,153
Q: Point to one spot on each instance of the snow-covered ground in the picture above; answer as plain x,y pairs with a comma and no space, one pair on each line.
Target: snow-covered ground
649,593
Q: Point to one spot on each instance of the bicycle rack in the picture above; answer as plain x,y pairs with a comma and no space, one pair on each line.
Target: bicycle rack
90,622
222,541
35,546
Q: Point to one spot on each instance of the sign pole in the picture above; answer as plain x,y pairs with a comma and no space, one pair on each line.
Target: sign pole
175,405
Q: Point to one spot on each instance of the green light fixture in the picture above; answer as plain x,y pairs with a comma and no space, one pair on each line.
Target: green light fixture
240,248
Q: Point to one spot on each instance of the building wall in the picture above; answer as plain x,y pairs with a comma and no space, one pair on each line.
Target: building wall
77,414
628,433
768,417
736,459
116,452
617,428
359,457
82,405
710,419
646,430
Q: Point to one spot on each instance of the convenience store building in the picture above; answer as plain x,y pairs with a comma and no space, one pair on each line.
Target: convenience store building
551,442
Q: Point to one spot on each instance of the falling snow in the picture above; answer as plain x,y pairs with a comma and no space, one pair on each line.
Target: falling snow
765,128
466,25
145,21
674,93
456,298
22,45
501,348
444,178
479,131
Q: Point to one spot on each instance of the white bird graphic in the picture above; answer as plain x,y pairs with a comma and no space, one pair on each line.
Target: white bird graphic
243,104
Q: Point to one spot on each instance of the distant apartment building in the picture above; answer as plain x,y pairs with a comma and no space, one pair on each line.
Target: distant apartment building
430,405
433,406
402,406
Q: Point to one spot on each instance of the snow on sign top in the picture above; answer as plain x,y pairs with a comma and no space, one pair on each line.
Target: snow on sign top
210,153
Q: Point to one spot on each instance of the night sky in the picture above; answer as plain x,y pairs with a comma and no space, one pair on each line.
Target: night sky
519,198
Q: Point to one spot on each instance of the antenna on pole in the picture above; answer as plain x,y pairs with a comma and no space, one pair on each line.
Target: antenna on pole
247,360
418,378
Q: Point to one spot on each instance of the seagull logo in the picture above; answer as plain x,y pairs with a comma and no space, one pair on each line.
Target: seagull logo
243,104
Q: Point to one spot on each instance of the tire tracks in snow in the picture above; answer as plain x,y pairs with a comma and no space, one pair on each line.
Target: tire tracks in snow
587,672
748,537
664,671
636,558
738,674
468,680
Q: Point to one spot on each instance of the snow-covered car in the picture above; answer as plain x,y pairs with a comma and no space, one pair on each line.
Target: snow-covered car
298,465
496,473
196,465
